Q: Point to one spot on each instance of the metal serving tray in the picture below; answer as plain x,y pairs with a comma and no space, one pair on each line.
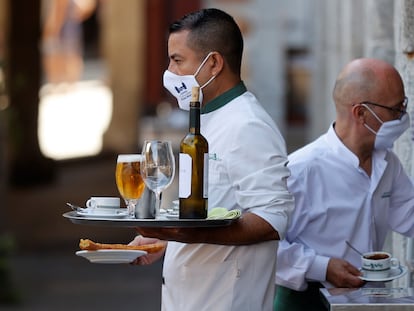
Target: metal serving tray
133,222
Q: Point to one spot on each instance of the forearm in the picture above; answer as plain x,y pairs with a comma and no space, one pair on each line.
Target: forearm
248,229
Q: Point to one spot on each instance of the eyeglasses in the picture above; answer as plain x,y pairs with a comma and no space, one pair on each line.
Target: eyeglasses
396,111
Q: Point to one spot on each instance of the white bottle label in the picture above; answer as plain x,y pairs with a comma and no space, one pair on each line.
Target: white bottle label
205,181
184,175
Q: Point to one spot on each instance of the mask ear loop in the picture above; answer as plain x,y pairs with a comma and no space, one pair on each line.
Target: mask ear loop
373,113
208,82
199,69
376,117
202,64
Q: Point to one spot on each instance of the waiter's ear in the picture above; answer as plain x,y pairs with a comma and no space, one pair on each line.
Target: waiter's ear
217,63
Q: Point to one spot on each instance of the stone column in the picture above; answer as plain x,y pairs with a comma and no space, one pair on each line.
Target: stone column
404,45
325,48
379,25
339,33
266,59
263,69
404,147
123,40
352,30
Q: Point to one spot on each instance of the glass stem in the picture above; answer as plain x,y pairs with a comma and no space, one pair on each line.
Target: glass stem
131,207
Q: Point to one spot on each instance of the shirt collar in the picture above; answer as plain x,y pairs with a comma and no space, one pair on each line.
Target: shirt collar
338,147
224,98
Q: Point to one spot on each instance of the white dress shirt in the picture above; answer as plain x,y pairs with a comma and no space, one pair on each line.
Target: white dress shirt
337,201
247,171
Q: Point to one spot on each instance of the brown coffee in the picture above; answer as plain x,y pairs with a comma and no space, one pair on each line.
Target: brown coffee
376,256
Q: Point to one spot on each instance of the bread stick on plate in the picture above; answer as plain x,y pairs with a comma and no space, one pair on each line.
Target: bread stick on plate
86,244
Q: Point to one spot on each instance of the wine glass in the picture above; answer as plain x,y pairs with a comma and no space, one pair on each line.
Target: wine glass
157,167
129,180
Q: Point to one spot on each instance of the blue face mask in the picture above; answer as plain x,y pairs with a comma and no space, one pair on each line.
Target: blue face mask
389,131
180,86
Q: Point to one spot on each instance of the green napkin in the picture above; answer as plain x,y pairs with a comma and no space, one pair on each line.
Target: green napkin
223,213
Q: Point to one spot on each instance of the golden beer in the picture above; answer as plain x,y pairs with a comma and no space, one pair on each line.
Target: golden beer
128,176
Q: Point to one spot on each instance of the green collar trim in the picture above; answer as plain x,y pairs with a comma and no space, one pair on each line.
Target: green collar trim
224,98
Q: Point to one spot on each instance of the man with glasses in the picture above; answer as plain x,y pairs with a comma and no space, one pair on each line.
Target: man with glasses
348,186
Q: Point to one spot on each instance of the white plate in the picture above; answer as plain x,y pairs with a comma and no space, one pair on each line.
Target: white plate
103,214
395,273
111,255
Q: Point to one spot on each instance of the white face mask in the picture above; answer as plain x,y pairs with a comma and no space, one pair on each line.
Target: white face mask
180,86
389,131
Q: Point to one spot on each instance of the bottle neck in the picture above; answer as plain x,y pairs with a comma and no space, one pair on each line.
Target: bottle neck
194,118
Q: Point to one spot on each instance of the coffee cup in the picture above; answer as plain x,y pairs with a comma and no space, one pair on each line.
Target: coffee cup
378,264
103,203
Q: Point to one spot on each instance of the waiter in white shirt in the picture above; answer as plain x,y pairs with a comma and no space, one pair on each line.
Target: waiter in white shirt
348,186
233,267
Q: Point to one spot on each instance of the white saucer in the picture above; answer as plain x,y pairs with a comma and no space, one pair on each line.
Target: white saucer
395,273
171,216
103,214
111,255
168,214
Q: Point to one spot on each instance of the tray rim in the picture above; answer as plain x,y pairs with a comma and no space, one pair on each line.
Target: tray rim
134,222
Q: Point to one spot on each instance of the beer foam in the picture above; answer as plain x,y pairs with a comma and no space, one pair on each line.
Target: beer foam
129,158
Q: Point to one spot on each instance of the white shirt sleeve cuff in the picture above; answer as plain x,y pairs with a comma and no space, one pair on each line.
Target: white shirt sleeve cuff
317,271
278,222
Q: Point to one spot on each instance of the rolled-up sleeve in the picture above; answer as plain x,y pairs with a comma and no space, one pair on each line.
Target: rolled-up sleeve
258,171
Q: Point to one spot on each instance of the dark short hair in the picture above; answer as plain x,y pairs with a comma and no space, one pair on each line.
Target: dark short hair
213,30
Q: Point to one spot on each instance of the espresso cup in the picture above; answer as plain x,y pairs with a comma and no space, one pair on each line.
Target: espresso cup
378,264
105,203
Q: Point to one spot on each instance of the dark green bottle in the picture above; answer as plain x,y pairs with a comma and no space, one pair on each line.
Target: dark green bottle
193,166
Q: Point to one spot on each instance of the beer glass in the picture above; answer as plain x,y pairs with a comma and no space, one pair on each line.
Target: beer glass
129,180
157,167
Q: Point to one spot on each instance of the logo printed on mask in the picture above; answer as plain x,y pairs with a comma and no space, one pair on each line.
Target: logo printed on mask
180,86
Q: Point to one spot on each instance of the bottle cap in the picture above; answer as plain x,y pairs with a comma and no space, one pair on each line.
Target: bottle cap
195,92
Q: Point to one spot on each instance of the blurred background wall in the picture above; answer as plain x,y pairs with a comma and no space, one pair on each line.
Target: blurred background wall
54,132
